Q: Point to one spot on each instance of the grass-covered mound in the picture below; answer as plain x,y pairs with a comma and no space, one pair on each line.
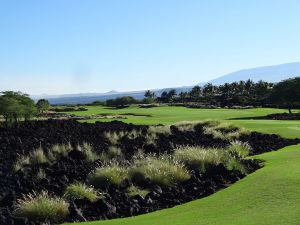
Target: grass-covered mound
110,170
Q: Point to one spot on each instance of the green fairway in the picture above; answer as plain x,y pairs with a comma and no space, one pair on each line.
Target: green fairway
270,196
169,115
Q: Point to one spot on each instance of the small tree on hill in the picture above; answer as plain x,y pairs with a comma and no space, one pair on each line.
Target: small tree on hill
42,105
287,93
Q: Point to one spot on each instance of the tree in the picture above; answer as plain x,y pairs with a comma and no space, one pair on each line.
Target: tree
287,93
184,96
42,105
122,101
196,92
163,97
15,106
171,94
149,94
208,92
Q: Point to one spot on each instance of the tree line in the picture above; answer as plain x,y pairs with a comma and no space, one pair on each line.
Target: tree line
243,93
17,106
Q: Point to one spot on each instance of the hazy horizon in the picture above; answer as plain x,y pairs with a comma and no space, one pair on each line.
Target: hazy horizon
64,47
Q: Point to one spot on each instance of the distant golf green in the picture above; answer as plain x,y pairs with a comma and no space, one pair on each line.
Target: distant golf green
269,196
169,115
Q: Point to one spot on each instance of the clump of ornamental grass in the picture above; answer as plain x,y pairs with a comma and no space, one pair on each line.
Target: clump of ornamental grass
110,174
41,174
41,207
237,133
114,152
133,134
239,149
184,126
150,138
233,163
59,150
88,151
161,170
134,191
215,133
38,156
166,130
114,137
82,191
226,127
198,158
21,162
209,122
227,132
154,131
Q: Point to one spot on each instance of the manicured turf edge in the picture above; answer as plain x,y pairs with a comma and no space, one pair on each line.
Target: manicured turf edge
271,195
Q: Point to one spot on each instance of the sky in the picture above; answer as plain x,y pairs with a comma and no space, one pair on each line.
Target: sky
81,46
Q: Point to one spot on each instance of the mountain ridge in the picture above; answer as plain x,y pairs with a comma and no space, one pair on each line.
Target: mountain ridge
273,73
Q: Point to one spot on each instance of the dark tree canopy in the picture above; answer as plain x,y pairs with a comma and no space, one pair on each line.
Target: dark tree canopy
42,105
126,100
149,94
196,92
15,106
287,93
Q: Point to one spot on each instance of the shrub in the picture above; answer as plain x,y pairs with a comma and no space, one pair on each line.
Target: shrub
81,191
134,191
239,149
162,171
112,173
199,158
42,207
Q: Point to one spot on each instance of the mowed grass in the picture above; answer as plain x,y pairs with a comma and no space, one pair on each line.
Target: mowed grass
170,115
270,196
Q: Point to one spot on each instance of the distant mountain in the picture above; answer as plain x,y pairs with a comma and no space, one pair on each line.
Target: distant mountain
267,73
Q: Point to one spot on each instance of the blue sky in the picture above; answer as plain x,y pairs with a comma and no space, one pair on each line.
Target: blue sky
72,46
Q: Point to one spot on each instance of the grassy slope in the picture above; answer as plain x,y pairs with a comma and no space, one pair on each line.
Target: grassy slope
271,195
169,115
